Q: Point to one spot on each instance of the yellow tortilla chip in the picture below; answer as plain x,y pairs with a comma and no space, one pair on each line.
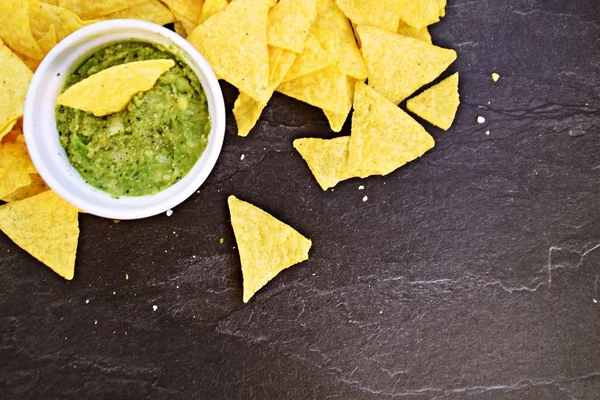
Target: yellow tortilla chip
36,187
49,40
383,137
312,59
380,13
234,41
190,9
89,9
442,7
327,88
327,159
15,30
289,22
110,91
15,167
408,31
337,120
438,104
179,29
247,110
43,15
187,24
6,130
211,7
46,227
266,245
334,32
398,65
151,11
420,13
13,89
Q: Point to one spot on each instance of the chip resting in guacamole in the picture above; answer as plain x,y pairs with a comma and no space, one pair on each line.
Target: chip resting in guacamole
150,145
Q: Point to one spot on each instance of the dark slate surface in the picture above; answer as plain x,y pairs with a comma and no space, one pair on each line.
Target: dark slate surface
472,273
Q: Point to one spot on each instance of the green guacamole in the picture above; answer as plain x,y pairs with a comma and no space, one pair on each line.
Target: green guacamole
150,145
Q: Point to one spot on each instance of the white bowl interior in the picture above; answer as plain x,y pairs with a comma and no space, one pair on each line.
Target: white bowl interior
42,137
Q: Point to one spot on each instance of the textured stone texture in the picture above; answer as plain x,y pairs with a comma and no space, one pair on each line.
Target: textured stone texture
472,273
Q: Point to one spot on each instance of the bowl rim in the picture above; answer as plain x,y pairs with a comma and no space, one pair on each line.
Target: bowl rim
112,207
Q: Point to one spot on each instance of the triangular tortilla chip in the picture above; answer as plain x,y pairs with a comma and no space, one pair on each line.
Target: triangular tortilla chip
328,89
267,246
190,9
151,11
327,159
36,186
43,15
438,104
187,24
45,226
15,167
246,110
333,31
442,8
15,30
406,30
312,59
234,42
289,22
380,13
398,65
211,7
15,78
49,40
421,13
383,137
89,9
110,90
336,121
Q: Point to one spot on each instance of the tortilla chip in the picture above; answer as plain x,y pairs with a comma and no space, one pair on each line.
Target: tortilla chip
49,40
380,13
327,88
247,110
438,104
334,32
211,7
43,15
6,130
151,11
46,227
383,137
336,121
110,90
179,29
189,9
234,42
327,159
266,245
419,14
15,30
187,24
442,7
312,59
89,9
36,187
16,166
408,31
398,65
289,22
13,88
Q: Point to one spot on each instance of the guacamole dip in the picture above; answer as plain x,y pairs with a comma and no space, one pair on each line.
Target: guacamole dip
151,144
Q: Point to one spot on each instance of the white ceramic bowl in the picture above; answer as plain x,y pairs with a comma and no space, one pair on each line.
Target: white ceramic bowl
41,135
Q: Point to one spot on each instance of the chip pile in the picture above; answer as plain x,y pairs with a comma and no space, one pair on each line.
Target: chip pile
321,52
